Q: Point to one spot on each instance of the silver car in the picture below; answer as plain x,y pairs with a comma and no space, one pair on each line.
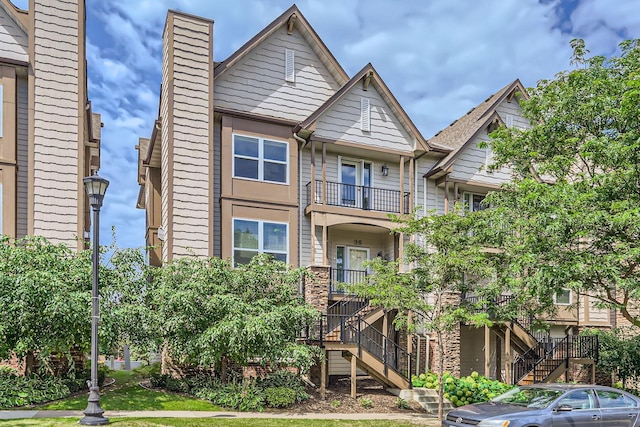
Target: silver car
551,405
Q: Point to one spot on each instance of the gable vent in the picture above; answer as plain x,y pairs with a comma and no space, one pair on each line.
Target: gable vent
509,120
365,114
289,65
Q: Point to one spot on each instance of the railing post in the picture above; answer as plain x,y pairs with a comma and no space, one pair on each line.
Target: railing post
359,336
342,329
409,370
384,354
321,332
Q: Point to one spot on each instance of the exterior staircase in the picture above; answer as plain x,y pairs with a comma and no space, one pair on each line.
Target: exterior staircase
347,327
542,358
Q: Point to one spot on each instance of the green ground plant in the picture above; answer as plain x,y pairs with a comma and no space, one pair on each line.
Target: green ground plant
474,388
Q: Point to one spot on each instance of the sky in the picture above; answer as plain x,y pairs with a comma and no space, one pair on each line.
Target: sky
440,58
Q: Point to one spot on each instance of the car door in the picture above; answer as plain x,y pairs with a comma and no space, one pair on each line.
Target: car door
617,409
577,409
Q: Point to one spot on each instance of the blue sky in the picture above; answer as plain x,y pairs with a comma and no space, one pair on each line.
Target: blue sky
440,58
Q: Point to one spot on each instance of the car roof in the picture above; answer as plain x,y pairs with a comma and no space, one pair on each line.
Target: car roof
566,387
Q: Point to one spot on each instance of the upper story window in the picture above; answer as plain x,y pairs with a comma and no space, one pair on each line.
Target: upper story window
563,297
251,237
260,159
474,202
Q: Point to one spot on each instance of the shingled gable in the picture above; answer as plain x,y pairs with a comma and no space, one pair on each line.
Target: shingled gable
462,132
369,72
309,34
21,17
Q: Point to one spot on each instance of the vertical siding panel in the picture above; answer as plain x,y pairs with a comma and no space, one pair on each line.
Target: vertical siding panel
56,120
190,138
22,160
164,114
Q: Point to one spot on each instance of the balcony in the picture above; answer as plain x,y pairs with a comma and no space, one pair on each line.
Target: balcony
359,197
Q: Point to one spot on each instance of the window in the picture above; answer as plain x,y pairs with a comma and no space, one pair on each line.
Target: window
563,297
581,399
474,202
509,120
253,237
289,66
365,114
260,159
614,399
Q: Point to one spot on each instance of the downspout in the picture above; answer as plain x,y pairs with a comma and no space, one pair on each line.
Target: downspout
303,143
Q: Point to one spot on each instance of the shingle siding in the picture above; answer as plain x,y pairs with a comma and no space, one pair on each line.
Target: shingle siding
56,120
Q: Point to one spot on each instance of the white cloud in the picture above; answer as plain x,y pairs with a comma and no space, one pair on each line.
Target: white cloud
440,58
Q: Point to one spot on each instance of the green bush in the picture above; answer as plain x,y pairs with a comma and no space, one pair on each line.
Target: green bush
366,403
243,396
402,404
159,380
17,390
279,397
284,379
474,388
146,371
178,385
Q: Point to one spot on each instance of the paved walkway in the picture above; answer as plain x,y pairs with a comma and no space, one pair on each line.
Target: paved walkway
427,420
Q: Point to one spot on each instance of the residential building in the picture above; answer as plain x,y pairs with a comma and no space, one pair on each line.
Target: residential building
49,136
277,150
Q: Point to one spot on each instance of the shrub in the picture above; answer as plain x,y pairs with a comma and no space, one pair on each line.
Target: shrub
286,379
159,380
16,390
335,404
279,397
146,371
177,384
366,403
244,396
474,388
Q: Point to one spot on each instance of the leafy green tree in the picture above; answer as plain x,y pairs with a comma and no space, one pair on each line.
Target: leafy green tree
446,262
209,314
619,353
45,299
571,216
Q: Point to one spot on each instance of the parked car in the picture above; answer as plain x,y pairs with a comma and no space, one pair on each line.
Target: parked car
551,405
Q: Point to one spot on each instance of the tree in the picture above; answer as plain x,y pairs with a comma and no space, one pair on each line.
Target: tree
570,219
619,353
45,299
208,313
447,262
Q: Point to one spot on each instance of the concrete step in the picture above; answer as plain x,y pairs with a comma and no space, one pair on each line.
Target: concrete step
426,397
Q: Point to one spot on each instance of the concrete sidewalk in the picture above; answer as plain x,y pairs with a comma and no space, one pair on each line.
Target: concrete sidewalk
422,419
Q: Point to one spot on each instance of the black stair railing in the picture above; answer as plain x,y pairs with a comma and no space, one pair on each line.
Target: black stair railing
339,276
353,330
344,309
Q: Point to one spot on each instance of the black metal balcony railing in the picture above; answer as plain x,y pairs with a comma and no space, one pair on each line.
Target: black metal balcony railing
359,197
340,276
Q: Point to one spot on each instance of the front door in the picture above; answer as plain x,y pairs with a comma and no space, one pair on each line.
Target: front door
356,257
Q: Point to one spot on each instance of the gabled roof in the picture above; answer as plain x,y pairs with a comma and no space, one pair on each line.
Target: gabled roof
462,131
20,16
299,22
370,73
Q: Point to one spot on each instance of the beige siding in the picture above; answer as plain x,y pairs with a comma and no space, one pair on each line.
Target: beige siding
256,84
470,165
56,121
342,122
14,43
23,162
217,216
190,111
164,114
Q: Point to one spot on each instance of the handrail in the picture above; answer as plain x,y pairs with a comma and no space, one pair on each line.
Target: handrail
342,275
344,309
359,197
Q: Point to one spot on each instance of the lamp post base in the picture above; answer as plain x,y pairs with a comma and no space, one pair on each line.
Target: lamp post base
93,413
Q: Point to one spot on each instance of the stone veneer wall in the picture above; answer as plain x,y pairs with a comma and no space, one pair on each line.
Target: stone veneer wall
451,342
316,288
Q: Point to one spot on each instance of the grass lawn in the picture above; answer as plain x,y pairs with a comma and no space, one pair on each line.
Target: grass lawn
202,422
127,395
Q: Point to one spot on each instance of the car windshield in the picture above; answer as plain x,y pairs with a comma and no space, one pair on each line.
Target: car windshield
529,397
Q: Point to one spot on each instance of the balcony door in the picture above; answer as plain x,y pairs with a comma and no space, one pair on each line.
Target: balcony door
350,263
355,183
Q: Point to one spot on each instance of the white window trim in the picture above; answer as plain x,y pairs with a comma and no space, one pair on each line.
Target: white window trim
260,249
260,159
360,171
555,298
470,194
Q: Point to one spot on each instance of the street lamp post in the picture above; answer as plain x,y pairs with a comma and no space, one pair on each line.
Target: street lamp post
96,187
